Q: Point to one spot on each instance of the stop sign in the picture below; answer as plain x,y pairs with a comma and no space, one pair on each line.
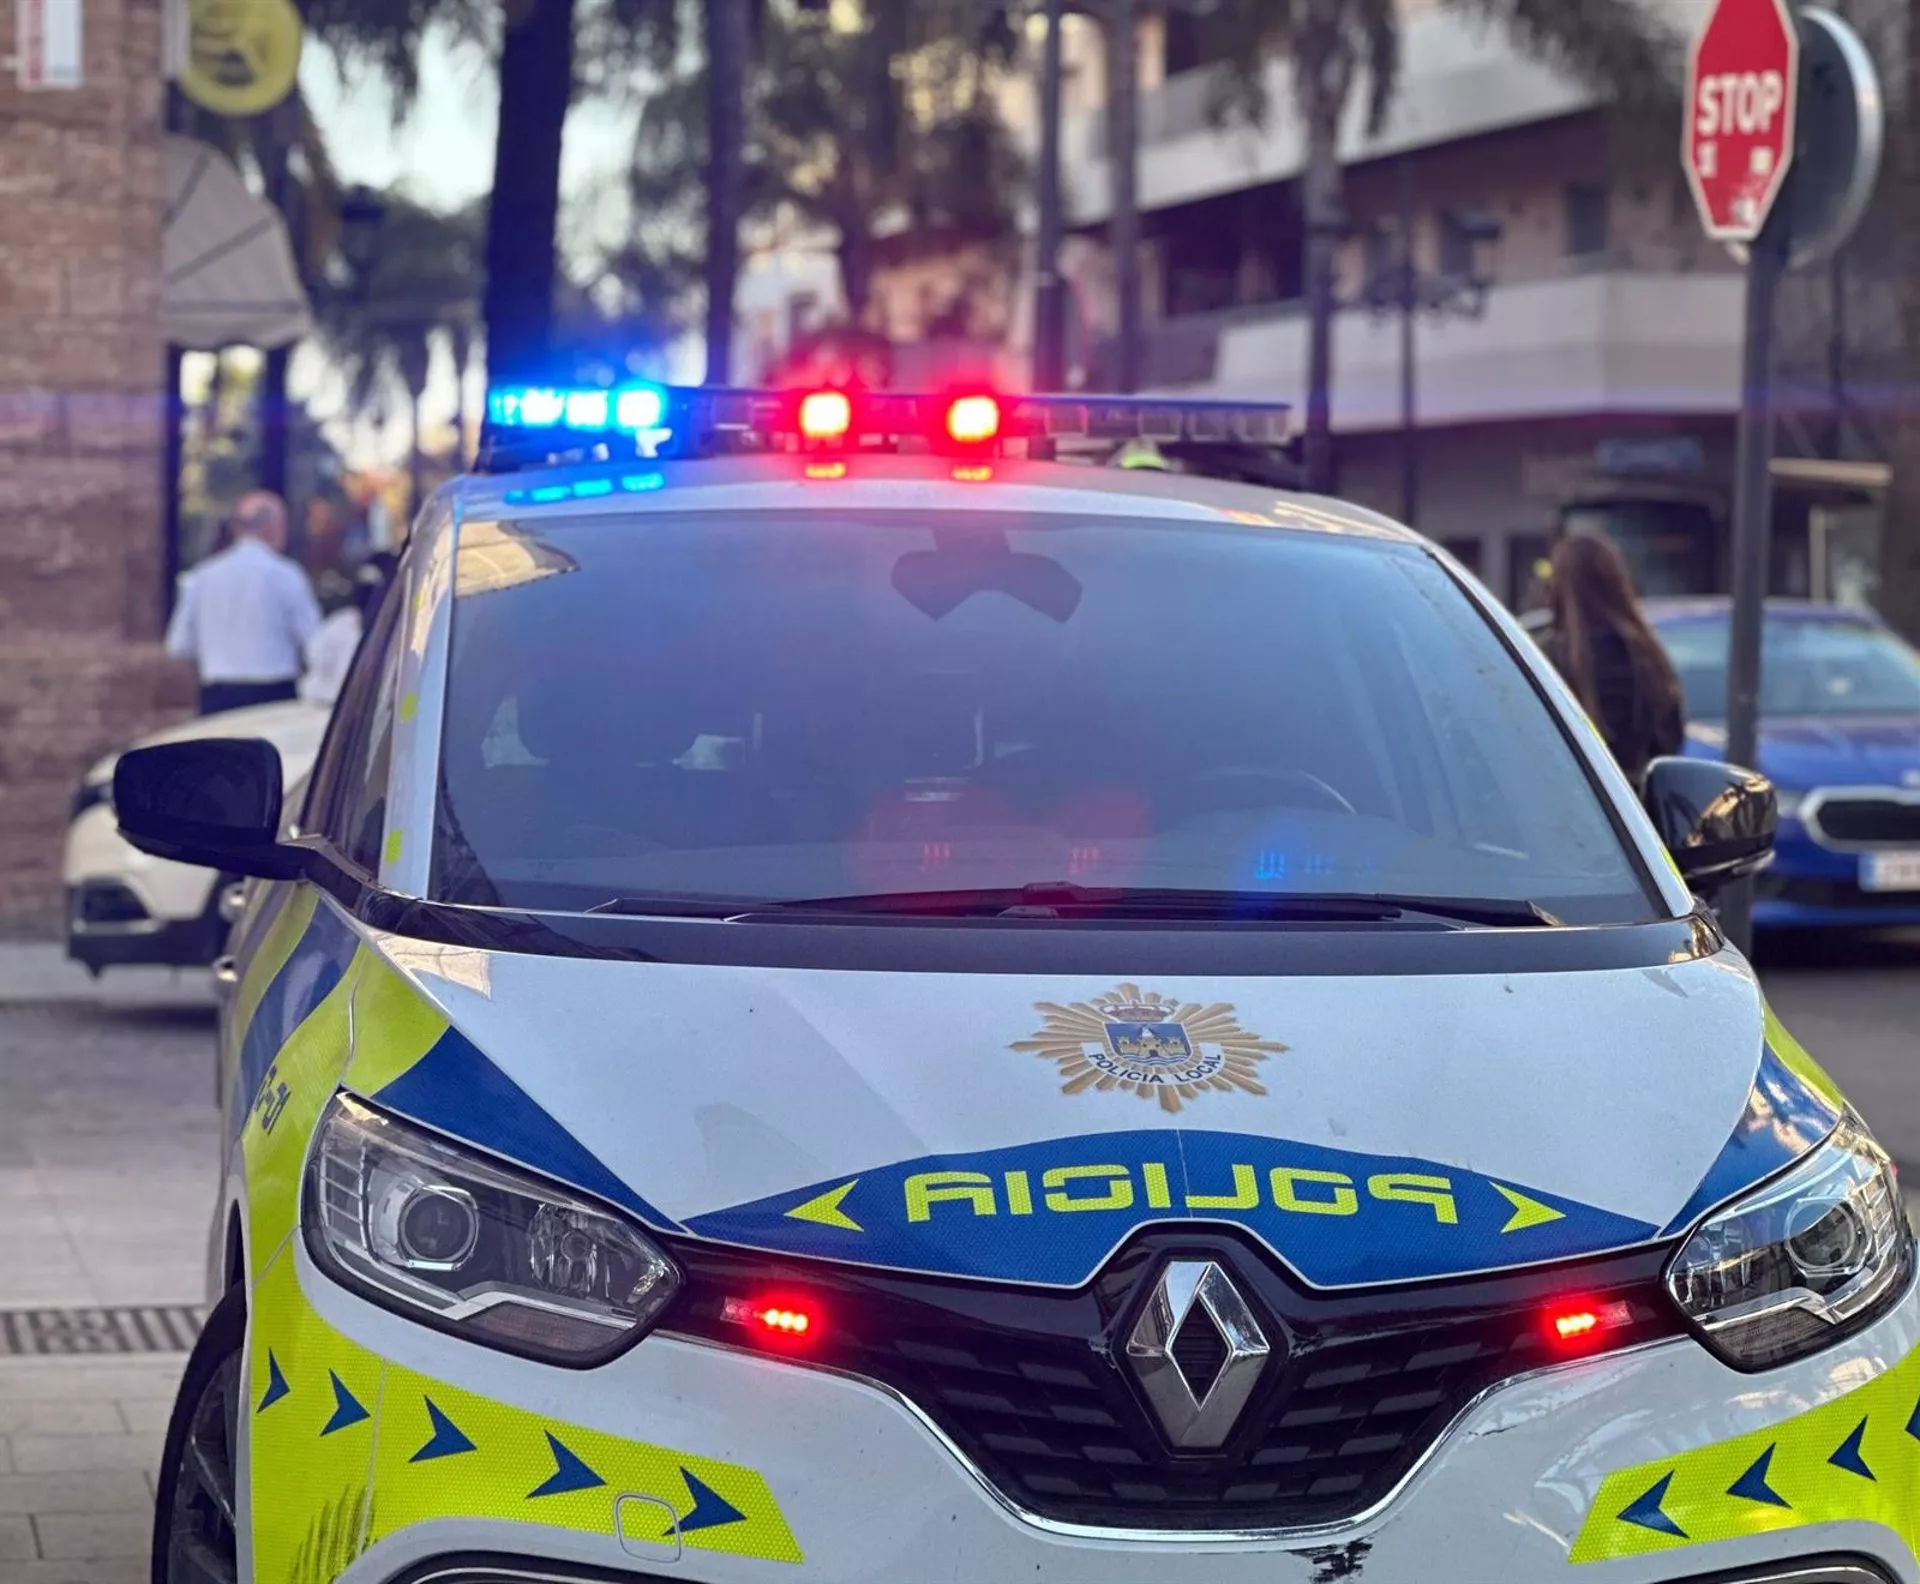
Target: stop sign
1742,79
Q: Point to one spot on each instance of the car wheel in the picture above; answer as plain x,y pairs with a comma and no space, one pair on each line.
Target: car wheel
195,1537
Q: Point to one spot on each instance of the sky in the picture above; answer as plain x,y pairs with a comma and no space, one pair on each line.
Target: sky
442,154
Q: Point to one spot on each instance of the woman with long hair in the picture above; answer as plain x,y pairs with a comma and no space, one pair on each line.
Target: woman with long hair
1609,656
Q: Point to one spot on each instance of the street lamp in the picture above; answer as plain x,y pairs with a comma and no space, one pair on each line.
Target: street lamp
1470,238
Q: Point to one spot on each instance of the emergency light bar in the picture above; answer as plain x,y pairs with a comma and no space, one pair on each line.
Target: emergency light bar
533,426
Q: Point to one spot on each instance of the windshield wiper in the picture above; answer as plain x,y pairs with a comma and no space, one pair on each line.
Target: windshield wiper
1066,899
667,905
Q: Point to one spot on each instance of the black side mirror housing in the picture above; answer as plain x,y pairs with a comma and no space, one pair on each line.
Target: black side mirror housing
213,802
1717,819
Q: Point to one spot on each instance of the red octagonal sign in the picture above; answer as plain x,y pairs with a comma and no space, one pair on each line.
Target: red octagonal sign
1742,79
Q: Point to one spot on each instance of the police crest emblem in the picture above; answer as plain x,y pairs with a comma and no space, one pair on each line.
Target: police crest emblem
1139,1041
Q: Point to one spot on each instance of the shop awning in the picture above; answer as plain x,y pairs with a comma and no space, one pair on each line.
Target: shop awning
228,274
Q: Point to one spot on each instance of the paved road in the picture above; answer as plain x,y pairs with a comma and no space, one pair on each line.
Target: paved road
1855,1004
108,1141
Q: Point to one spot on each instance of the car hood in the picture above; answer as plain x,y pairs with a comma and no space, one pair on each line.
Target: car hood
1815,751
295,727
1369,1129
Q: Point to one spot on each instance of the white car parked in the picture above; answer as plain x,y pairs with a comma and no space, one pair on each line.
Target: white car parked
126,907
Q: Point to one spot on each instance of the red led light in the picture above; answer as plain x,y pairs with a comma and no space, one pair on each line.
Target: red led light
973,420
774,1319
825,415
1579,1323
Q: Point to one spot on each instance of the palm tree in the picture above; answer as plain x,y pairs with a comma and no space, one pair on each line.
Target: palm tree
536,53
727,23
536,89
842,125
423,284
1620,47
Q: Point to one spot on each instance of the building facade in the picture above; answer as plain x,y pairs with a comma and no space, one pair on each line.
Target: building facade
81,423
1591,380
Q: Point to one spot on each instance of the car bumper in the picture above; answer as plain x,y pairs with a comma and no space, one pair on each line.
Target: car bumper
1808,886
127,907
405,1450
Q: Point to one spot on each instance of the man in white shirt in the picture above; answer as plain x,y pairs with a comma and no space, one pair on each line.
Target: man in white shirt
245,615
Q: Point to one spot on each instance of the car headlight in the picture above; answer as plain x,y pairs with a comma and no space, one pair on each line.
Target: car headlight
1803,1260
470,1245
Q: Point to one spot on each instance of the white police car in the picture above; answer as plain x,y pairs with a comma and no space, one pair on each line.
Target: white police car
851,1004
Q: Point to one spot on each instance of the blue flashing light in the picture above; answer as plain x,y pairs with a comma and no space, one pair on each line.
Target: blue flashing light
541,409
633,409
641,483
588,488
588,409
640,407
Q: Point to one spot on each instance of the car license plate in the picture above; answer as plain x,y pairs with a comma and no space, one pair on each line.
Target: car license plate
1890,871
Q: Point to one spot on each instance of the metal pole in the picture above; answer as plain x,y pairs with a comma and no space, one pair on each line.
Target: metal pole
172,452
1409,309
1752,524
1049,373
1123,133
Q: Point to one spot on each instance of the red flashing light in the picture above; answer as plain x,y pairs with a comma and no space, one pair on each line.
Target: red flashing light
826,470
1579,1323
973,420
1575,1323
773,1319
825,415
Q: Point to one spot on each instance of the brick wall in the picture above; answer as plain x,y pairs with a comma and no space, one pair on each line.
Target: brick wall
81,371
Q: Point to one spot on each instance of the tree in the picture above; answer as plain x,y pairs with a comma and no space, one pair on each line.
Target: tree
1621,47
536,88
533,42
726,172
424,283
849,119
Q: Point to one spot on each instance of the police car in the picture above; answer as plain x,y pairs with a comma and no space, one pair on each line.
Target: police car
851,1001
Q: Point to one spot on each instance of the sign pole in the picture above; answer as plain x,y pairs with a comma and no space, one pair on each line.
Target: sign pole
1752,525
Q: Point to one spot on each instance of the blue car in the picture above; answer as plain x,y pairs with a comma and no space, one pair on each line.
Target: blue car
1840,738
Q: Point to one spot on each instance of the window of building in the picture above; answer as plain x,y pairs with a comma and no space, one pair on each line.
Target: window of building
1586,219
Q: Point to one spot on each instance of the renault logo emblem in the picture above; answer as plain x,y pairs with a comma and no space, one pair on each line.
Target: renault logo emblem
1198,1353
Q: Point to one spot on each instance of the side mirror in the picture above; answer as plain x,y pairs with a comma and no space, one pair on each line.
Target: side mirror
1716,819
213,802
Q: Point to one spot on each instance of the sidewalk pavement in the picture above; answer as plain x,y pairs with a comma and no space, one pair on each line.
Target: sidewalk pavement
109,1150
79,1448
41,972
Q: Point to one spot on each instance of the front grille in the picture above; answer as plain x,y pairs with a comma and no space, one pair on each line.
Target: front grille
1866,821
1033,1386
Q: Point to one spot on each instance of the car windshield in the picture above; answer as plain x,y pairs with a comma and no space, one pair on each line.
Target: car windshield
1808,666
781,706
